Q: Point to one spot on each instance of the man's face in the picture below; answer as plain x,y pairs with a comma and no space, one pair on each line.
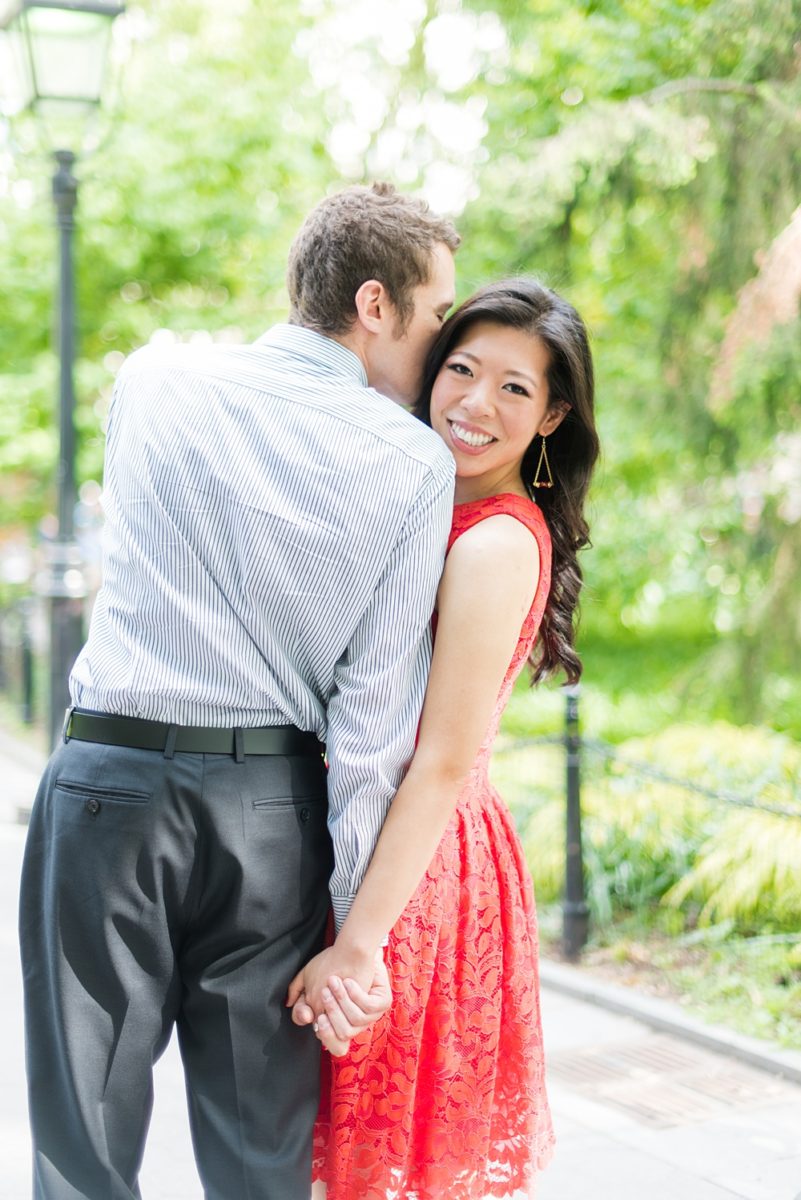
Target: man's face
396,367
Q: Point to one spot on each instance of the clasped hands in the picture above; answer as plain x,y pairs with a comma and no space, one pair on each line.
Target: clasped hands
340,994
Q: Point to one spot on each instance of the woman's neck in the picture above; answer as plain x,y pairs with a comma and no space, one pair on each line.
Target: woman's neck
469,490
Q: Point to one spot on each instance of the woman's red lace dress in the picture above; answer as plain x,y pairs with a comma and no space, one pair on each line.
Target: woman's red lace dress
444,1097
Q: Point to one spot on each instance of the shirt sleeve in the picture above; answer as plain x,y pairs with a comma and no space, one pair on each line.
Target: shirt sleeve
380,681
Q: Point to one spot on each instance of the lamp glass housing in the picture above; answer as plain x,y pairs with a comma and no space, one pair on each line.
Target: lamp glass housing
56,55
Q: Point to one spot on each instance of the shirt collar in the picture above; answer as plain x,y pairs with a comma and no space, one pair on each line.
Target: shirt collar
315,350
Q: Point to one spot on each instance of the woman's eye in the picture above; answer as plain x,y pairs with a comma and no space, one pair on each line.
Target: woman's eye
459,368
516,389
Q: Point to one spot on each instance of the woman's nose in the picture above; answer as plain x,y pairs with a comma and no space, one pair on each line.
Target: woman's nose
478,399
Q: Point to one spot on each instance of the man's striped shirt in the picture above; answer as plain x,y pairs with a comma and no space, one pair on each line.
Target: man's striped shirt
274,536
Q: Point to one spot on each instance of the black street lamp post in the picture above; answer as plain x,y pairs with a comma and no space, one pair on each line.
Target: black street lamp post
64,582
58,49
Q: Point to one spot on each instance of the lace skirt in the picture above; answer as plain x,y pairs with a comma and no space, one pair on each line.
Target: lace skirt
445,1095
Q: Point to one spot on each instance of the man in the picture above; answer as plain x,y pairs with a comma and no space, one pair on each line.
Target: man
275,531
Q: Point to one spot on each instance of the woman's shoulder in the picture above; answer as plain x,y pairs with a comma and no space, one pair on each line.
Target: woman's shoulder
497,548
494,568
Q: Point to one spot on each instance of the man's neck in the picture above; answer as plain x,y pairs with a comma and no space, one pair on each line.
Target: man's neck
351,341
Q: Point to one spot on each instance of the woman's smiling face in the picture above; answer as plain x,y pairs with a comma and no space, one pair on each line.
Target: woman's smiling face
488,403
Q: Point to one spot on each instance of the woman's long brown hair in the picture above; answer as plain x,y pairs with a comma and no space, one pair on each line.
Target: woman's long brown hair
573,447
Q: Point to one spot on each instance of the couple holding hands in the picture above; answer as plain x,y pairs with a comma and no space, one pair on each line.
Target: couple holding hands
270,823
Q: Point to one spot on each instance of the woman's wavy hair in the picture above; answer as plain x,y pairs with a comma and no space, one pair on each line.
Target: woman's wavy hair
573,447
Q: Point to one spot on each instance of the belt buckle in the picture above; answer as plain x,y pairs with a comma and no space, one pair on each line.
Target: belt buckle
65,728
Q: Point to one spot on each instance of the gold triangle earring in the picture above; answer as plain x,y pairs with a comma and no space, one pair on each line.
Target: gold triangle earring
543,459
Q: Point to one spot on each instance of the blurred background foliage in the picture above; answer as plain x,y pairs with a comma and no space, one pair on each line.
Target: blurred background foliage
644,157
691,838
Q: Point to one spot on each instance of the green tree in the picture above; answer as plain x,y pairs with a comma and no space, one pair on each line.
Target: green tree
642,156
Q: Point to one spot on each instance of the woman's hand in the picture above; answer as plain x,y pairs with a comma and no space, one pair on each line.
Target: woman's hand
349,1009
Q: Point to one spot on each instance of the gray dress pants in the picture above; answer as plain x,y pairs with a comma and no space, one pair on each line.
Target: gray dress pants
160,891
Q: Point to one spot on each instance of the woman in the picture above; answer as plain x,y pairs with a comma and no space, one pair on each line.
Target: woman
445,1096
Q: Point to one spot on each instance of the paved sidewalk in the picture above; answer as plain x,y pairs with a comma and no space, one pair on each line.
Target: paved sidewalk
640,1115
648,1116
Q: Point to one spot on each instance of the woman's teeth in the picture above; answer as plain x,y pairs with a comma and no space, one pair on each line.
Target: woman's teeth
470,438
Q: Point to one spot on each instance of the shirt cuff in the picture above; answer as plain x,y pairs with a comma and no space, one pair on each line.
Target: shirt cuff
341,906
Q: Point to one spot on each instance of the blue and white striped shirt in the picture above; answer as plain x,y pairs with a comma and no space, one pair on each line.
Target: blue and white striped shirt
275,532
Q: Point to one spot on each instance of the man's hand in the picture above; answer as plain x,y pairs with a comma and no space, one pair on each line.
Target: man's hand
346,1007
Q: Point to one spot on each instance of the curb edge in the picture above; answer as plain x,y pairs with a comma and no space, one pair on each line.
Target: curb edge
669,1018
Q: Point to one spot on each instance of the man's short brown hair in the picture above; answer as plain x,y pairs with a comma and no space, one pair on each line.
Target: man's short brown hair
358,234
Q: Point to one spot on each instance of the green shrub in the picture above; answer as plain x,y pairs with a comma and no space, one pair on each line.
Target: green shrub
748,871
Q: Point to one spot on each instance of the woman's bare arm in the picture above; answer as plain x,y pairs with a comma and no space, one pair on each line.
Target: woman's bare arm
487,589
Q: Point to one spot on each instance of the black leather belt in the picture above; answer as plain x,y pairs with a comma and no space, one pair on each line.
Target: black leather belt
112,730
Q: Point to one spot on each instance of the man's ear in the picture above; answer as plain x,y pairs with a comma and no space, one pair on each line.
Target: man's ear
372,305
554,417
